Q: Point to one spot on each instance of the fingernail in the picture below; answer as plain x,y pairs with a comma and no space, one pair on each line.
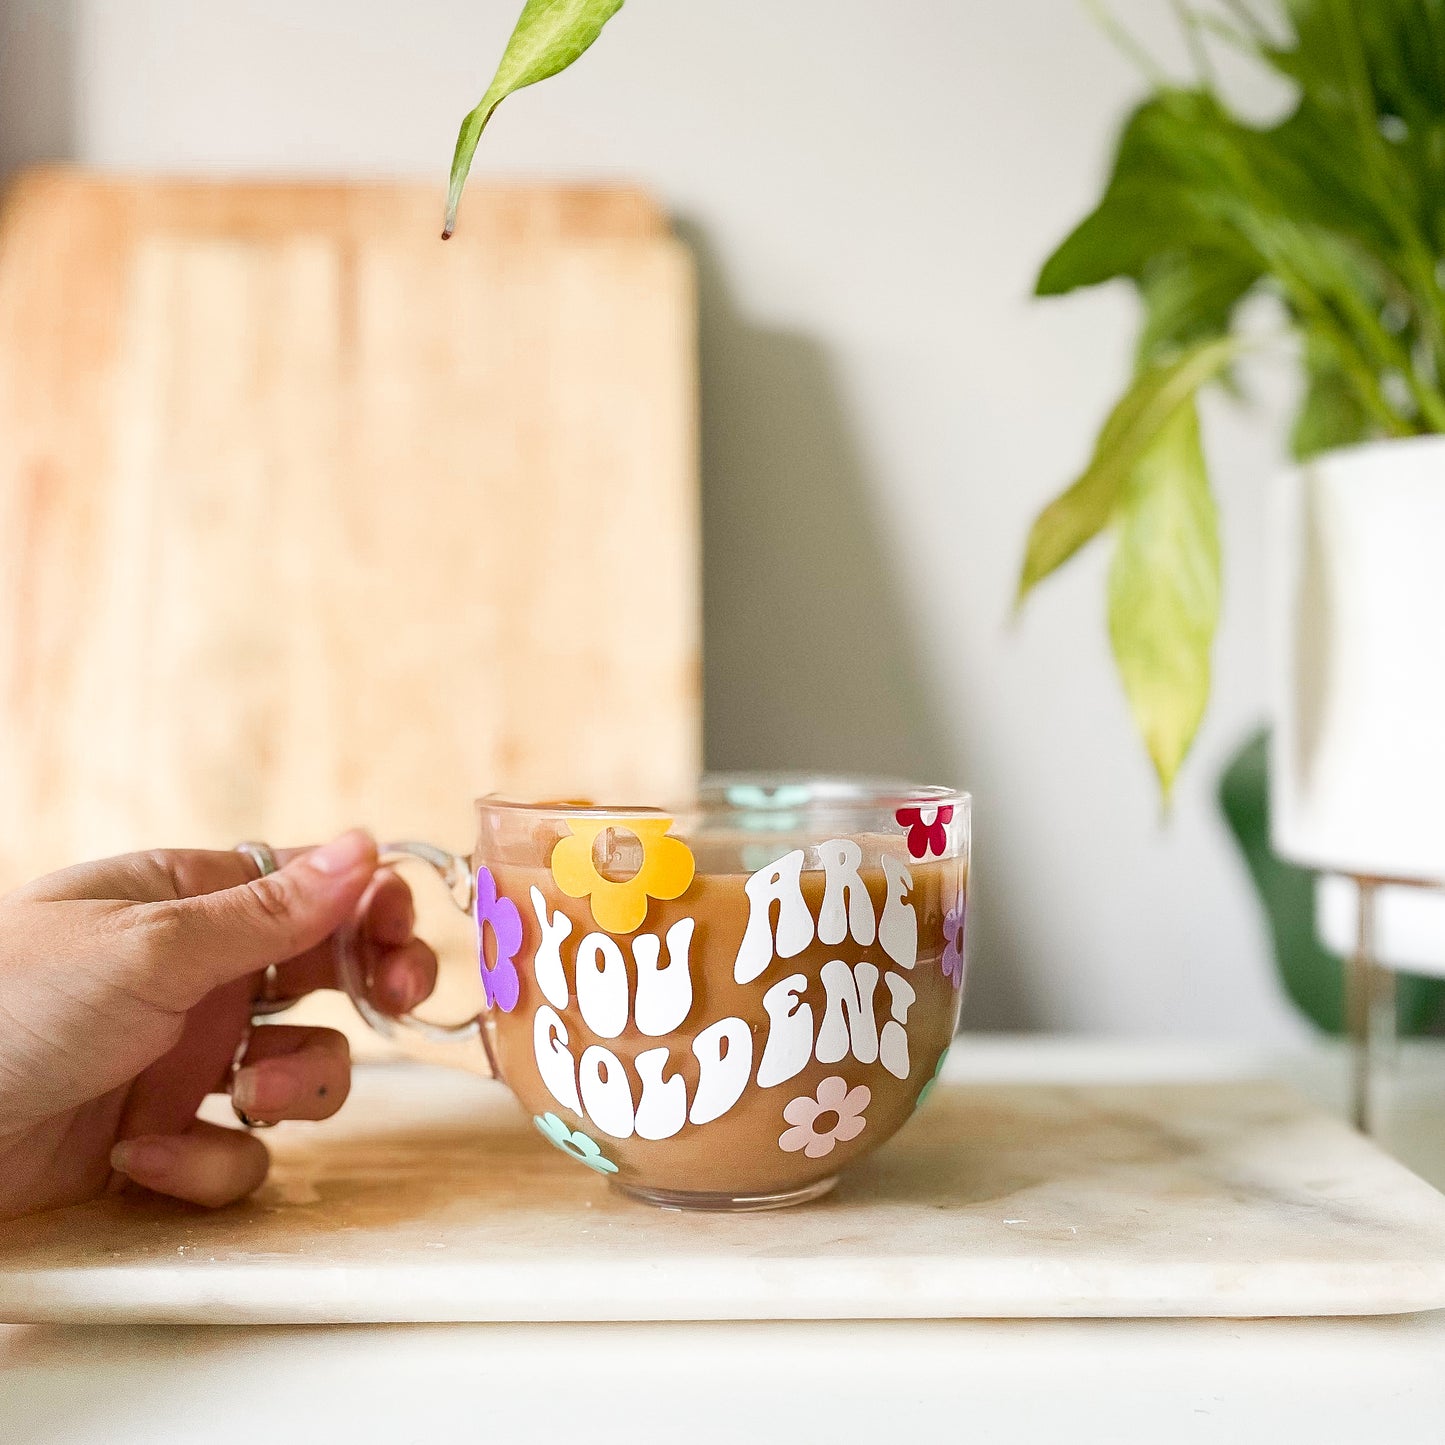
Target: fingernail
343,854
264,1089
143,1158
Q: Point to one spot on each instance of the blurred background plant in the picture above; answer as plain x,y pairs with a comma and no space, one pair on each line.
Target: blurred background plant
1336,211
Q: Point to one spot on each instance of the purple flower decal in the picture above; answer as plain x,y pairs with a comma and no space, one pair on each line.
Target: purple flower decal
500,981
954,930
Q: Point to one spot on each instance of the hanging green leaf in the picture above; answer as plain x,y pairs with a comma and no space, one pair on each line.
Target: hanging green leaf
1133,429
549,36
1164,591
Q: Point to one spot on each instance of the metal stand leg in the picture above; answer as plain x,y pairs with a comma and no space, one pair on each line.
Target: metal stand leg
1366,996
1384,1024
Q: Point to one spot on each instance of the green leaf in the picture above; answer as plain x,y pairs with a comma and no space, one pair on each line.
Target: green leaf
1136,221
1078,515
1331,412
1189,297
1164,592
1152,204
549,36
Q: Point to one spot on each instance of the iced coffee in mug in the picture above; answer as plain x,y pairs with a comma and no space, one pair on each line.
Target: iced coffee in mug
720,1005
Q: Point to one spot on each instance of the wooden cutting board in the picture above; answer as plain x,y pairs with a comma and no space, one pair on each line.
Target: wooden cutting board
308,519
431,1197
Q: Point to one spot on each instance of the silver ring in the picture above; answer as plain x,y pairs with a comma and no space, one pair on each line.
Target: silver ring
266,1003
261,854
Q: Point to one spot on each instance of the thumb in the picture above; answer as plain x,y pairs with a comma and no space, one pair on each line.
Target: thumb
200,943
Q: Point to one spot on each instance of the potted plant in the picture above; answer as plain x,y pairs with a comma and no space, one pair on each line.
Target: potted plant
1336,211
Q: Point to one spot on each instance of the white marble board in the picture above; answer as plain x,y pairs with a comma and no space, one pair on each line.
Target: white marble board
432,1198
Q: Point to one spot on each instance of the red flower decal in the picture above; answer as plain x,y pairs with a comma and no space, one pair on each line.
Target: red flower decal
927,829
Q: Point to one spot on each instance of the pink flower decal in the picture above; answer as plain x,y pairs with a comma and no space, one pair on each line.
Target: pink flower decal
955,923
927,829
499,981
833,1117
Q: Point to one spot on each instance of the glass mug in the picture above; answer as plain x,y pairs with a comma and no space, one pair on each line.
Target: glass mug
717,1006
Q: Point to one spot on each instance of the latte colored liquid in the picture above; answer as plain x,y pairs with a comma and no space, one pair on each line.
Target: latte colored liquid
739,1152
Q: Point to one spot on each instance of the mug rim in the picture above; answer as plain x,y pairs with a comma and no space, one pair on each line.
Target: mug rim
829,792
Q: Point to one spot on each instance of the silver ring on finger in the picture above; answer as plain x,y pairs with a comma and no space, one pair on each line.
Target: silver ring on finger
266,1002
261,854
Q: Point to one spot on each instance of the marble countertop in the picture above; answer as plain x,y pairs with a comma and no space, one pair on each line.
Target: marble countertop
431,1199
1359,1380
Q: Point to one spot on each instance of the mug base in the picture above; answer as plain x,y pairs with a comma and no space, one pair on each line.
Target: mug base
724,1203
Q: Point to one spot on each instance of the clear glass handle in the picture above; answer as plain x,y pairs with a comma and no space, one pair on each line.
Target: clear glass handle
434,1043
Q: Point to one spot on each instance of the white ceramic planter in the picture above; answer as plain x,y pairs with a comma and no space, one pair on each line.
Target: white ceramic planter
1358,769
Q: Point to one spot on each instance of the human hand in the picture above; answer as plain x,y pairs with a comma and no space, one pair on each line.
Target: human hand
126,987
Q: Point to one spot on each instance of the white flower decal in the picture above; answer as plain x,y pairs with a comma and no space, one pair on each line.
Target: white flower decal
833,1117
573,1142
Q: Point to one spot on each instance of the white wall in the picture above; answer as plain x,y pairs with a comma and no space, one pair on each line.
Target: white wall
871,187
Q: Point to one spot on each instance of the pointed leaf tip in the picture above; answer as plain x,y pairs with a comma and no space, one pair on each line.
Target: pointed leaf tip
548,37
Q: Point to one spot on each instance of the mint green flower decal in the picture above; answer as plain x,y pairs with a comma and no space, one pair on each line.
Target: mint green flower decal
573,1142
788,795
927,1089
773,809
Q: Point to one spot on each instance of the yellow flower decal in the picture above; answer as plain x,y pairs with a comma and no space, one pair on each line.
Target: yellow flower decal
667,870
